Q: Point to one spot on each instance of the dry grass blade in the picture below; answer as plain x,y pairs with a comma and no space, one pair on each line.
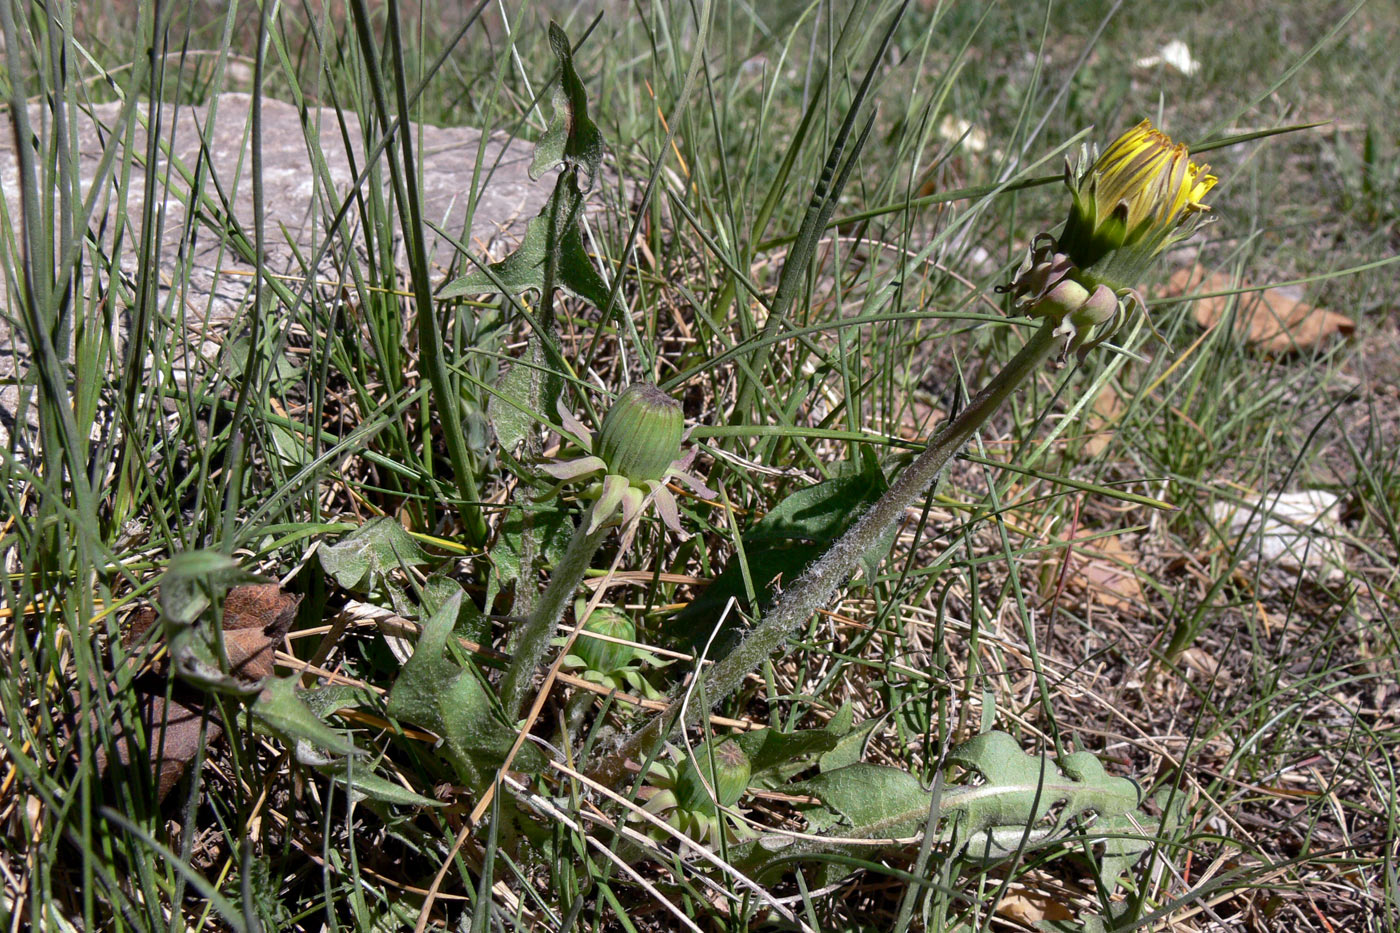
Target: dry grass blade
547,808
685,842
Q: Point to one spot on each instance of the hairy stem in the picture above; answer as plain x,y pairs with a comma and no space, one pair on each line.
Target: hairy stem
815,587
544,620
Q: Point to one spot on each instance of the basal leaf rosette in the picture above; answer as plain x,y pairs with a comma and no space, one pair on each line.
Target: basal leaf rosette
629,461
1139,197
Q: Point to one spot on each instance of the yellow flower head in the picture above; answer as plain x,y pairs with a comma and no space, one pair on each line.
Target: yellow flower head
1143,194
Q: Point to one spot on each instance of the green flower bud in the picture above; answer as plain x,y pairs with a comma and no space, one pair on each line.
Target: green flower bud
1098,308
732,772
1067,296
605,657
641,435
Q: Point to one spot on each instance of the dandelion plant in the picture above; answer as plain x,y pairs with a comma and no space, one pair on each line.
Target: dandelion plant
1142,194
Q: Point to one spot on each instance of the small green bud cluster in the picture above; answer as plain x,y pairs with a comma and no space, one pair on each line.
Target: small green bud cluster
1049,285
630,460
690,797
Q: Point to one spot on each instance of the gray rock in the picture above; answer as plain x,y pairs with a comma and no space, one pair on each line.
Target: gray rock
217,285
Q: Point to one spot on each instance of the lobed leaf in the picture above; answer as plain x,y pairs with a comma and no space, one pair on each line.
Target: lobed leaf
551,254
297,717
571,138
874,800
442,696
1028,797
775,756
1018,799
281,710
377,547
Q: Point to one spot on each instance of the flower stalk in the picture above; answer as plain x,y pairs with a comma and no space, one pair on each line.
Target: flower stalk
544,620
635,452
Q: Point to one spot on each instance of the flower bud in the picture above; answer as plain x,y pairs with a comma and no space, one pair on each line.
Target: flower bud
1128,205
1065,298
1041,270
1096,309
641,434
731,778
1047,269
605,657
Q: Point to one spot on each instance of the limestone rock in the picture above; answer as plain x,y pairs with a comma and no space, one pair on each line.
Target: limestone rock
214,290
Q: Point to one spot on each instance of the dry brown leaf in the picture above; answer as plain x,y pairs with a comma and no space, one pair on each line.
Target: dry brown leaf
1033,908
140,624
1099,572
1272,320
1201,661
256,620
172,737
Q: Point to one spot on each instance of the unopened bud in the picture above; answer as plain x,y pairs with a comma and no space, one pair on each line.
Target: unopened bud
1097,309
641,434
1065,298
731,778
605,657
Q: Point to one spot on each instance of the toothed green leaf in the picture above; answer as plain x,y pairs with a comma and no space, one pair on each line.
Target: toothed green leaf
551,254
571,138
297,717
528,389
776,755
1019,791
1018,799
281,710
873,800
365,783
447,699
378,547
